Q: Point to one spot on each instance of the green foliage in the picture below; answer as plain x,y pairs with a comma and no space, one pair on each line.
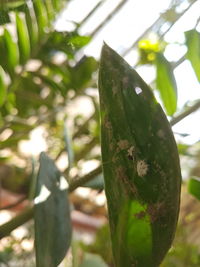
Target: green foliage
193,53
194,187
52,215
166,84
142,183
40,78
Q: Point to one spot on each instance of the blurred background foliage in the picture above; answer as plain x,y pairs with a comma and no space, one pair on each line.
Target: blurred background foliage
48,94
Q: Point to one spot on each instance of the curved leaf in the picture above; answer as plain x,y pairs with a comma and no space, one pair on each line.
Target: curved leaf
23,39
142,182
31,26
52,215
3,87
41,16
193,53
166,84
11,51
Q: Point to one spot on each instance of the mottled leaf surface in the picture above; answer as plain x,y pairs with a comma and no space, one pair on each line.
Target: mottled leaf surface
140,164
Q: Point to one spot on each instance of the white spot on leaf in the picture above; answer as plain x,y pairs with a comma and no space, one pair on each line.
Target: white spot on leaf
123,144
138,90
142,168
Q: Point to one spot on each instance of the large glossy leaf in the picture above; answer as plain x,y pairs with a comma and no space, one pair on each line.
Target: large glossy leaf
23,39
166,84
11,51
3,87
193,53
52,215
140,165
194,187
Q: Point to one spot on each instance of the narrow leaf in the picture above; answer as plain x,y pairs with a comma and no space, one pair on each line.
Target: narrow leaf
194,187
41,16
193,53
11,51
52,215
166,84
3,87
31,26
23,39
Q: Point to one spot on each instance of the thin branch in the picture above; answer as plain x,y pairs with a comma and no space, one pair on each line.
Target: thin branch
13,205
185,113
80,24
27,214
153,25
109,17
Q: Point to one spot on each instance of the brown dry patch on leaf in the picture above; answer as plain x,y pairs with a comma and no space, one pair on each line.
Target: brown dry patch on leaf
156,210
140,215
123,144
129,186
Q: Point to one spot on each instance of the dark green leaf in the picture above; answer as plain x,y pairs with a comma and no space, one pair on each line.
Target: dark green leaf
52,215
3,87
140,165
81,74
166,84
194,187
23,39
4,17
193,53
96,183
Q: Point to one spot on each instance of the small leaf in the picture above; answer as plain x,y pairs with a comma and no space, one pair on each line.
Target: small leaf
194,187
11,51
166,84
3,87
23,39
52,215
193,53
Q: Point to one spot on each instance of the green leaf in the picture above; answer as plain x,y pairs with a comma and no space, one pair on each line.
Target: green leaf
193,53
142,182
3,87
31,26
96,183
52,215
4,17
194,187
41,16
11,51
91,260
23,39
166,84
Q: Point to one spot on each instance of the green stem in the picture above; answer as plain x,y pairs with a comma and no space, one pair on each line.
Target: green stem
27,214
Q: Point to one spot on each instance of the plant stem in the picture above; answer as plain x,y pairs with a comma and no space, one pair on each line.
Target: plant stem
27,214
185,113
